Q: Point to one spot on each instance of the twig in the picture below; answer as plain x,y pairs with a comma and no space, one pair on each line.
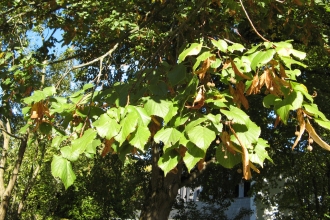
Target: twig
97,59
10,134
255,30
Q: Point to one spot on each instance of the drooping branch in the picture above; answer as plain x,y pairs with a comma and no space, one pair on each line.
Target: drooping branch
255,30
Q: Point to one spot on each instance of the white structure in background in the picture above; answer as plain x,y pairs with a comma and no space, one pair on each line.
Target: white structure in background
241,201
260,211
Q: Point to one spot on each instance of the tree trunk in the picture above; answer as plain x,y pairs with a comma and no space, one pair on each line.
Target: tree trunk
162,191
159,202
5,197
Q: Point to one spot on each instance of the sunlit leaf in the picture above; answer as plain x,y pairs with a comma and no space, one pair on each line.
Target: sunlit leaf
262,58
220,44
193,49
259,153
62,168
192,155
169,136
140,137
169,160
201,136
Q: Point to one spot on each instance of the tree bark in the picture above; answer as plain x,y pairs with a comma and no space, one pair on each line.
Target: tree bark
162,191
5,196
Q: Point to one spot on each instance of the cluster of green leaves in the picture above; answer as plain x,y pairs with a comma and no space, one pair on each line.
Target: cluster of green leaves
185,133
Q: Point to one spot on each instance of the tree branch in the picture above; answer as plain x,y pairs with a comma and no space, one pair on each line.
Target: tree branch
97,59
255,30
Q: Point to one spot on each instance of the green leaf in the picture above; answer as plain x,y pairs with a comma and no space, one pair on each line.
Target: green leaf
201,58
220,44
227,159
192,155
301,55
26,110
292,102
262,58
181,120
168,161
313,110
236,46
289,61
177,74
247,133
90,150
62,168
45,128
301,88
140,137
106,127
236,115
143,118
128,125
40,95
216,121
24,129
201,136
159,108
56,141
69,153
253,49
88,86
79,145
269,100
324,124
49,91
169,136
194,123
259,153
194,49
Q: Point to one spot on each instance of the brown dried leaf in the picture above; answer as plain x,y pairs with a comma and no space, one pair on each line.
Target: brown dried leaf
154,126
225,138
107,147
199,99
226,64
315,137
282,72
201,164
245,157
254,167
182,150
237,72
254,88
174,170
202,71
277,121
240,87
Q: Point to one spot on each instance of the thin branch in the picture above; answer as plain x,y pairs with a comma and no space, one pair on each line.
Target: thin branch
255,30
97,59
10,134
65,59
